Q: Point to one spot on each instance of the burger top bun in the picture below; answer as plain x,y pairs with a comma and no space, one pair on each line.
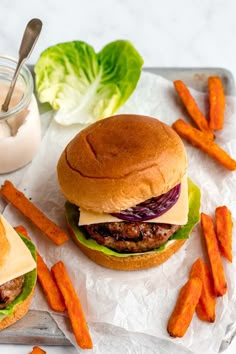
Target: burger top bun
121,161
4,244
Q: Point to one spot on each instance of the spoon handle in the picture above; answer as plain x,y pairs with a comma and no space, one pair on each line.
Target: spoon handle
31,34
28,42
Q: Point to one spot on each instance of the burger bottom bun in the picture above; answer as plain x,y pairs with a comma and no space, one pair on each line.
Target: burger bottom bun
20,311
135,262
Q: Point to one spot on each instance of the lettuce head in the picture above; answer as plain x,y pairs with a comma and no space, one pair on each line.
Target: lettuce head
83,86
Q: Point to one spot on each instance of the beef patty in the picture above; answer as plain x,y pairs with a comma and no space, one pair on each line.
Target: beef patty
131,237
10,290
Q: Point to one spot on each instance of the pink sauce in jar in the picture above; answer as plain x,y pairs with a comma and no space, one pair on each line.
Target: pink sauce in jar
20,129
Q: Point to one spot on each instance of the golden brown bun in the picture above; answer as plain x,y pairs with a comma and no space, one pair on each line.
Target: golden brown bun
20,311
138,262
4,243
119,162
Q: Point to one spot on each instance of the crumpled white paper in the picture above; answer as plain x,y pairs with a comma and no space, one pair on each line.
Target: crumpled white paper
128,311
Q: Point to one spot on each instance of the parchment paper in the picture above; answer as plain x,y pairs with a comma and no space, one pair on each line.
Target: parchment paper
128,311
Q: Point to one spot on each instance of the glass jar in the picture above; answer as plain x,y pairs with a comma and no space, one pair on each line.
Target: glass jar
20,129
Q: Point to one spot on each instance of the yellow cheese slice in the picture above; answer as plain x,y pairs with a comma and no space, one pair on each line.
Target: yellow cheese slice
19,260
177,215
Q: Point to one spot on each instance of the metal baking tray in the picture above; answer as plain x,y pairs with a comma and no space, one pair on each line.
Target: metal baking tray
38,327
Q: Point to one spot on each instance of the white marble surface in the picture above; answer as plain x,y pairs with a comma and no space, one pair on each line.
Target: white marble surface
166,33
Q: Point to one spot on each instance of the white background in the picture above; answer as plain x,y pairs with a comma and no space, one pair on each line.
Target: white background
183,33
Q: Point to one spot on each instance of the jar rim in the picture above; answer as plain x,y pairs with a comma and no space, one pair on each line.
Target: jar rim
26,75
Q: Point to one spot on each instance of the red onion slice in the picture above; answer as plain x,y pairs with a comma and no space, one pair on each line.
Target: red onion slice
151,208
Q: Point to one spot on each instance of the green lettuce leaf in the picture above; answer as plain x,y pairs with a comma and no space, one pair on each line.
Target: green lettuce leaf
29,283
72,215
194,199
84,86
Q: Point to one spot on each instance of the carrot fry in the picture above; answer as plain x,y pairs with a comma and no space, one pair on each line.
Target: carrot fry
182,315
220,285
24,205
49,286
73,306
37,350
205,308
46,279
216,102
201,141
192,108
224,227
22,230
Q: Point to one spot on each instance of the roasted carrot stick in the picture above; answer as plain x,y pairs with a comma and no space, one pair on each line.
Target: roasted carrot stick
201,141
49,286
220,285
22,230
37,350
216,102
73,306
192,108
27,208
224,225
187,301
46,279
205,308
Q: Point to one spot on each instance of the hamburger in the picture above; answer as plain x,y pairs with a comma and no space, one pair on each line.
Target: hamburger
17,274
130,205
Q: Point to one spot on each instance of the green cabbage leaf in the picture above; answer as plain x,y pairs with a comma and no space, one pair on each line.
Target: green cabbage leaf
83,86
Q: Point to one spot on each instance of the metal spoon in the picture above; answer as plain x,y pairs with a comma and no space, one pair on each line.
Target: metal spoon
28,42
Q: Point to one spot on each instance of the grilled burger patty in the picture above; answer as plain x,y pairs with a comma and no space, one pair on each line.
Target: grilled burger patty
10,290
131,237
